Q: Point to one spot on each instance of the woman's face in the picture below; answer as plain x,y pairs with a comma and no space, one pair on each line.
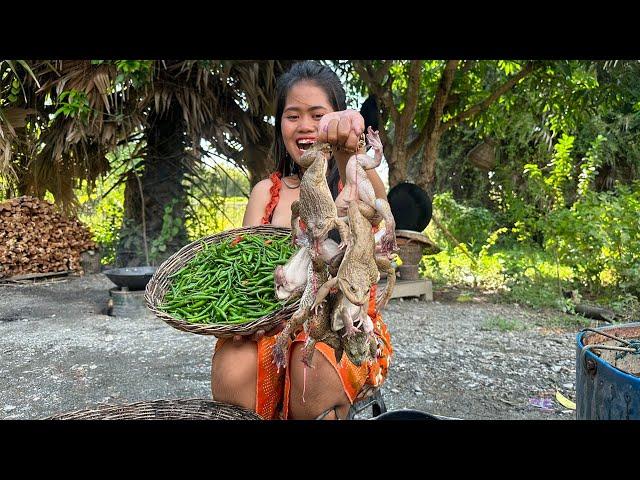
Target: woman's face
305,105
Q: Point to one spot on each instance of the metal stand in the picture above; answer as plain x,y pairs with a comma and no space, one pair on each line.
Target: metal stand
421,288
375,401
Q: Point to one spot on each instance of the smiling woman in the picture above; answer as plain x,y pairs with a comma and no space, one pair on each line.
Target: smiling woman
310,107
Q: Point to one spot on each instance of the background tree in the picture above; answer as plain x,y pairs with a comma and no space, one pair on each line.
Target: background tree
420,100
164,110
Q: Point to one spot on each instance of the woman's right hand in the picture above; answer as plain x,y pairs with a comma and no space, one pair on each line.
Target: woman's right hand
341,129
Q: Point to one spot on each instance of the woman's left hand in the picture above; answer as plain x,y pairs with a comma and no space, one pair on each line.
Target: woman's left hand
341,129
261,333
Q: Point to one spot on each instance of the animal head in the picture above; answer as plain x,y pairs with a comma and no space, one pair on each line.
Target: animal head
355,288
319,229
318,149
358,348
280,281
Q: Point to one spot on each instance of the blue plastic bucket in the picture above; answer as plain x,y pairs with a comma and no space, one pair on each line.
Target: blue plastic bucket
607,378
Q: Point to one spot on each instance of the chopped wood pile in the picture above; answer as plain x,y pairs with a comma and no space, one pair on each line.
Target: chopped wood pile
35,238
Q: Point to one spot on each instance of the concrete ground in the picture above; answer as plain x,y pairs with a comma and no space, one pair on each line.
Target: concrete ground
60,352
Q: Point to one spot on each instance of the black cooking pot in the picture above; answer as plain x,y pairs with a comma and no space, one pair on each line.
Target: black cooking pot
134,278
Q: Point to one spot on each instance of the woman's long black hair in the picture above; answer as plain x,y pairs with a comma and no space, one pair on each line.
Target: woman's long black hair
327,80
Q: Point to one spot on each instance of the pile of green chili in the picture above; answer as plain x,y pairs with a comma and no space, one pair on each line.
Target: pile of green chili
229,282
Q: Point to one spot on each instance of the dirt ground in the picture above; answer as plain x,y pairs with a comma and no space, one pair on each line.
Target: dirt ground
469,359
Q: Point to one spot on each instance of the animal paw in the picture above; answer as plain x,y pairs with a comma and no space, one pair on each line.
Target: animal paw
279,357
388,244
350,330
373,138
345,244
307,356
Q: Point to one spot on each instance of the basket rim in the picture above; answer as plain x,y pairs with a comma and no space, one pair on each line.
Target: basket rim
157,287
111,411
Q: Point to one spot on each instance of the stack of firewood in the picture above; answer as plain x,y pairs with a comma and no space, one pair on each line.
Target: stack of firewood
35,238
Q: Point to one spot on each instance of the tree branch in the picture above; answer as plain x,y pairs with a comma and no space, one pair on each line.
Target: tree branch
437,106
483,105
373,80
404,121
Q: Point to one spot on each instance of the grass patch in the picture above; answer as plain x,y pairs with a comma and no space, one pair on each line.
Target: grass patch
503,324
464,297
572,322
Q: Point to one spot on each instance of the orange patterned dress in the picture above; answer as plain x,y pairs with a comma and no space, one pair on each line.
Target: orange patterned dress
273,387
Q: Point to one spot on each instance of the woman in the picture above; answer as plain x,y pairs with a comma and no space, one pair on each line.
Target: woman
311,106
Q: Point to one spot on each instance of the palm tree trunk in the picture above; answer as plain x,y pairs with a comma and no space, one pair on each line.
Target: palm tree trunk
164,169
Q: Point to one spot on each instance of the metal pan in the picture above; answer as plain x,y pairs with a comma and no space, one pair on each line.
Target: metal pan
134,278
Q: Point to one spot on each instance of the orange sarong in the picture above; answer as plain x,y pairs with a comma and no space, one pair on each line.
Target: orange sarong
273,387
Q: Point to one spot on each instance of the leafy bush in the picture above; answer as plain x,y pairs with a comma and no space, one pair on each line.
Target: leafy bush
469,225
103,217
213,215
600,237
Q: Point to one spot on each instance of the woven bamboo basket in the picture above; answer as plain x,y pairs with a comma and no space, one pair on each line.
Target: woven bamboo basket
483,155
180,409
158,287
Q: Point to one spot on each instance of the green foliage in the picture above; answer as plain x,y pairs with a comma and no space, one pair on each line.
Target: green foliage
625,306
217,200
470,225
590,166
553,185
134,72
13,70
453,267
528,276
467,183
561,167
103,217
171,224
600,235
73,104
102,207
213,215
